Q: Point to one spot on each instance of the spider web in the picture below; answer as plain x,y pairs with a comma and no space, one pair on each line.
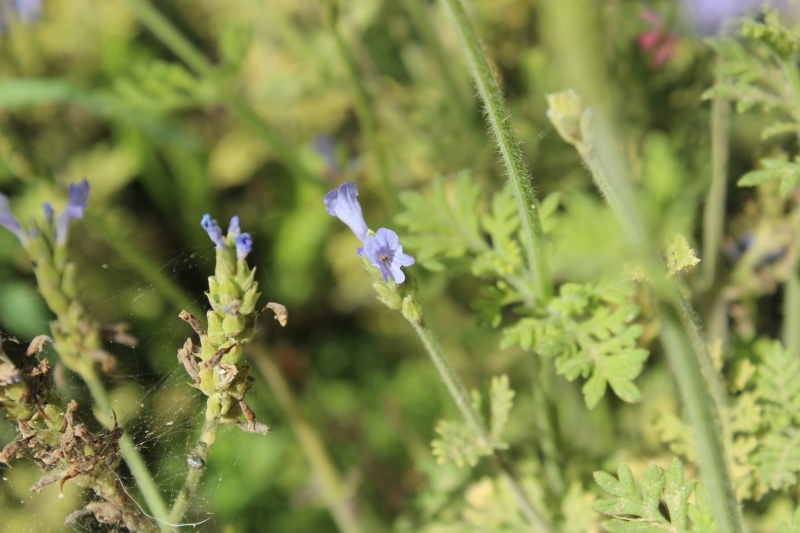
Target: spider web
150,394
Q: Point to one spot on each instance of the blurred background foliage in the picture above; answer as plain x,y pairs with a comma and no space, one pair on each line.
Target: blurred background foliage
285,100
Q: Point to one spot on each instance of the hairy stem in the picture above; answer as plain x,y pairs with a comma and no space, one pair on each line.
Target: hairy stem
129,451
499,118
705,422
463,402
334,492
198,458
701,390
714,212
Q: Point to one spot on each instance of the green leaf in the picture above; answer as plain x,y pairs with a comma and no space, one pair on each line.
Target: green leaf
501,399
774,169
588,331
444,226
631,512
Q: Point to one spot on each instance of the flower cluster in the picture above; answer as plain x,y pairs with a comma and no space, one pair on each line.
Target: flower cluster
233,292
382,248
78,197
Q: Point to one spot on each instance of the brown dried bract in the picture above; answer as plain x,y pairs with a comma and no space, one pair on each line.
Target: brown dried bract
190,319
281,315
37,345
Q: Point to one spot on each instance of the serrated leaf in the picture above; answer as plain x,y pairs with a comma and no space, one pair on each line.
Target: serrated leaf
457,444
631,512
501,399
774,169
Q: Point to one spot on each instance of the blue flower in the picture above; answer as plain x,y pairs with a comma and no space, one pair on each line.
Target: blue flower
78,196
212,228
385,252
48,212
233,227
342,204
383,249
8,221
244,243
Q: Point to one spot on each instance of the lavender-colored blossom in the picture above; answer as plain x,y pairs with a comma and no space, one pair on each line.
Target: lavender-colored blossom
385,252
244,243
28,10
48,212
212,228
342,204
709,15
78,197
233,227
8,221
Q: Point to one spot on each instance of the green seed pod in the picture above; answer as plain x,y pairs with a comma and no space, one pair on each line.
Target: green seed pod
249,300
389,297
233,325
412,310
215,332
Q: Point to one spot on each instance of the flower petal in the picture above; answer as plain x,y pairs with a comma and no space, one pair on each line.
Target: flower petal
342,204
8,221
78,198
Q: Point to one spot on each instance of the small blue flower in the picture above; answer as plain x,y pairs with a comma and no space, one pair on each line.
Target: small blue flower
8,221
78,197
233,227
342,204
28,10
48,212
385,252
244,243
212,228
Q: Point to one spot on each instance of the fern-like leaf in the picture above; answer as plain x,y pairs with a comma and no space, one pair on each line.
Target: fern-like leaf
635,513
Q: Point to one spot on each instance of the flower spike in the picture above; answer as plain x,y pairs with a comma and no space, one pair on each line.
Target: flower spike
8,221
78,198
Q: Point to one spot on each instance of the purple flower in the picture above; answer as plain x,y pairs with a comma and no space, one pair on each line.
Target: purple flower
28,10
212,228
709,15
244,243
48,212
8,221
342,204
233,227
78,196
385,252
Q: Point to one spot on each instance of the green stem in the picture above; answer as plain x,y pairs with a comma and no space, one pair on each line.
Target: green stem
463,402
200,454
334,492
790,333
363,108
499,115
700,408
129,451
701,389
170,36
714,213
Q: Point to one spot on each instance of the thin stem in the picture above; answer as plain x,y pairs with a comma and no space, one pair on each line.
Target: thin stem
199,457
714,213
170,36
463,402
334,492
701,390
790,333
363,108
700,408
500,123
129,451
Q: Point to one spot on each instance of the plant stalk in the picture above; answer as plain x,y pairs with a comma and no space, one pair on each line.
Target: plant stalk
334,492
463,402
199,456
714,212
499,119
137,466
